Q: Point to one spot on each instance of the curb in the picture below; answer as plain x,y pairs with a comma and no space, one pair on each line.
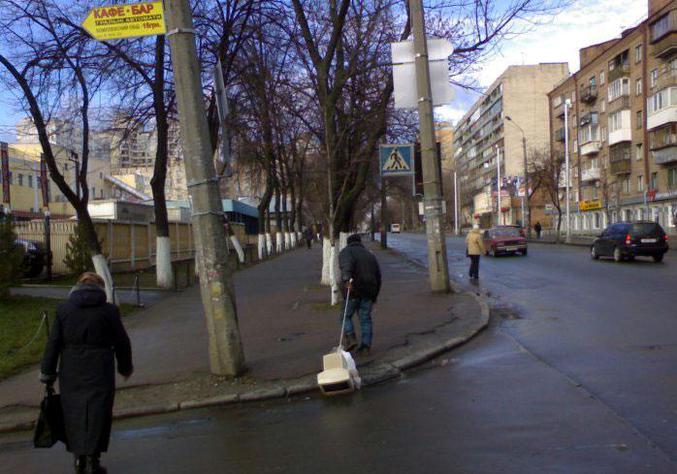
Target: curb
371,375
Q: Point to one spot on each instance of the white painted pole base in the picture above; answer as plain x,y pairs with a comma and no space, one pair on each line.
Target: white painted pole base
238,247
262,246
326,258
279,245
269,244
287,241
163,263
343,240
101,268
293,240
334,275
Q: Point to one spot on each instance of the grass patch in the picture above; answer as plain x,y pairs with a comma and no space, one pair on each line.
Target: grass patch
20,318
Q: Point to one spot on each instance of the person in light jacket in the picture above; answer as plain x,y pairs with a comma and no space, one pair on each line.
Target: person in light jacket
85,340
475,248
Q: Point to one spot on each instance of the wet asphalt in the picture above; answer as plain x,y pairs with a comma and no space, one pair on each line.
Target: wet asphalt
576,374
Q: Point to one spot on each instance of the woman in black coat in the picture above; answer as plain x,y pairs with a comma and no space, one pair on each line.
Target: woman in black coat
86,336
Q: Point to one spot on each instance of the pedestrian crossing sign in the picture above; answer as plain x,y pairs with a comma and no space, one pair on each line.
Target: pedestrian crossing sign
396,160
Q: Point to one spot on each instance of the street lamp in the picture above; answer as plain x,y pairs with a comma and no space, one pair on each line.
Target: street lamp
567,104
526,214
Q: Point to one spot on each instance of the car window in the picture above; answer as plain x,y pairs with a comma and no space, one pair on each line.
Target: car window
506,232
645,229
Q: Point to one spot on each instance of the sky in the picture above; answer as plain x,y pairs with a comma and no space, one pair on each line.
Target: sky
584,23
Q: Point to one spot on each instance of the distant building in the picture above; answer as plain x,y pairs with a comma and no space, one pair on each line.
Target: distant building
25,197
622,125
521,94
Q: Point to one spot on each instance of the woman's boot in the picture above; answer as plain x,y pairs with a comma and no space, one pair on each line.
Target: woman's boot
93,466
79,464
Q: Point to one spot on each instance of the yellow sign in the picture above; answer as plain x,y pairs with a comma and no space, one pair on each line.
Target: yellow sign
590,205
125,21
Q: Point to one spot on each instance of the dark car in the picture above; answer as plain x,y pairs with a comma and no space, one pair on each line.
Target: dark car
34,257
504,240
627,240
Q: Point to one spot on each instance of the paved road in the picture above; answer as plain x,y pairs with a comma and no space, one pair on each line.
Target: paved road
576,375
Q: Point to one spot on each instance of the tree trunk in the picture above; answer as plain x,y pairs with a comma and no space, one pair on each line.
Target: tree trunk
163,256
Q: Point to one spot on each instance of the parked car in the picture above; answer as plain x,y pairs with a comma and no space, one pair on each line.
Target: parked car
395,228
34,257
504,240
627,240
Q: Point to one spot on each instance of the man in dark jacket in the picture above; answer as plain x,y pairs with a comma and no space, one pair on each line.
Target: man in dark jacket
360,265
86,337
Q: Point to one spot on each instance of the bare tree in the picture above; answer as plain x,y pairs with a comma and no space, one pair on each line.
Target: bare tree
50,60
547,174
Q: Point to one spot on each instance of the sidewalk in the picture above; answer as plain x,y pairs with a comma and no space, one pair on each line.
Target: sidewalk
286,325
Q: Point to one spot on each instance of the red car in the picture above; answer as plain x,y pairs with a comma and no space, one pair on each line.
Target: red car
504,240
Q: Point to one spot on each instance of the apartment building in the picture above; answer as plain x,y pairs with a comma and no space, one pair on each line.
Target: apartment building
132,155
621,123
513,108
24,178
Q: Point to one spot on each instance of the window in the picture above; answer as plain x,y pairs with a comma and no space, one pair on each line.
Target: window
602,134
601,77
660,27
653,78
616,121
21,179
638,87
639,152
593,82
557,101
100,175
654,181
626,184
672,178
638,122
602,106
640,183
93,192
662,100
638,53
618,88
30,180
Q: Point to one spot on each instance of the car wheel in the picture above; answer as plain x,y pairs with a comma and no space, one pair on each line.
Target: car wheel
524,252
658,258
618,256
593,253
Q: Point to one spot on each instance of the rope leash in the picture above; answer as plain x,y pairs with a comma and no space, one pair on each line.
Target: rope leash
35,336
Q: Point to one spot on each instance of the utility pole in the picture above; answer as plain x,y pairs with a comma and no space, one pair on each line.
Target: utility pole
384,215
218,295
438,270
498,185
456,223
567,104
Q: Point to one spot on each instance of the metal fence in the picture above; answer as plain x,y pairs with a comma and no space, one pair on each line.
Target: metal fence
126,245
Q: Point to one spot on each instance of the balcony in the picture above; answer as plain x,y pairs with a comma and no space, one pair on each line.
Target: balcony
589,94
621,70
621,166
666,46
591,118
591,174
559,135
620,103
591,147
662,117
620,135
666,79
665,156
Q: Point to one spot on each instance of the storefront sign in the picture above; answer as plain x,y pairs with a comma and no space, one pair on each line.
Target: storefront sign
590,205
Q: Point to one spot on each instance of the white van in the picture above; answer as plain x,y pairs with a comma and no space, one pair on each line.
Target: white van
395,228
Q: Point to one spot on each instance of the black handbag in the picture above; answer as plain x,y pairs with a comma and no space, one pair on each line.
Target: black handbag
50,425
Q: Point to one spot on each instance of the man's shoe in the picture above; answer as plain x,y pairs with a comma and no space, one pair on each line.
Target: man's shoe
93,466
363,350
349,342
